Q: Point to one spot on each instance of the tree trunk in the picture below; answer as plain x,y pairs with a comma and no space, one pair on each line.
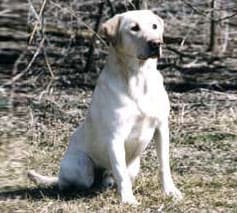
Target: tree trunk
219,29
212,38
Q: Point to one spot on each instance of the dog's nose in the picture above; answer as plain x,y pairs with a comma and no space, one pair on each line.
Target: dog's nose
154,45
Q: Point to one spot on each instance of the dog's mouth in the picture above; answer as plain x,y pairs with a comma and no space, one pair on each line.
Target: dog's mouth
152,53
145,57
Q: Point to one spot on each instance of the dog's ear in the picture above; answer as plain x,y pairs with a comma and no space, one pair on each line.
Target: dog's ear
110,29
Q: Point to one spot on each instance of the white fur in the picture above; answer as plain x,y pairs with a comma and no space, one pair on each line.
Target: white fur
128,106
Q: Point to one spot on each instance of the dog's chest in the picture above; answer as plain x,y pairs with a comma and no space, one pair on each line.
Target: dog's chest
152,107
149,95
141,134
142,129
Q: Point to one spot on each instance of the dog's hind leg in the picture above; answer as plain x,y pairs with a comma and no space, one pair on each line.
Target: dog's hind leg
76,170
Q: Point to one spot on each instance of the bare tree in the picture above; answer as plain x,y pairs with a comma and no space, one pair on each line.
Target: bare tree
140,4
219,29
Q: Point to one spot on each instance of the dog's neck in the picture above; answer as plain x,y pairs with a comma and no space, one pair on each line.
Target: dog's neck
129,65
135,74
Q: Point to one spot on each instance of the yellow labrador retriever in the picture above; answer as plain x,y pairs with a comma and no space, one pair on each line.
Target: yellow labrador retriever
129,107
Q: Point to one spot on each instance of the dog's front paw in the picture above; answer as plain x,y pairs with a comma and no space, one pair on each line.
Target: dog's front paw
108,182
174,192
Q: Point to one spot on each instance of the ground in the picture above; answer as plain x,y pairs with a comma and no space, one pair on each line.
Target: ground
203,155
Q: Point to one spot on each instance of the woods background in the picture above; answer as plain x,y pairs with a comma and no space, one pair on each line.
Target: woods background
50,57
54,42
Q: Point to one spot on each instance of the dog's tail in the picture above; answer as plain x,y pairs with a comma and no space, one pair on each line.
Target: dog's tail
41,179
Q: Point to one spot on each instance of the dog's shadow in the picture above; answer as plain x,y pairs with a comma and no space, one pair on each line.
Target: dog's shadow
38,193
41,192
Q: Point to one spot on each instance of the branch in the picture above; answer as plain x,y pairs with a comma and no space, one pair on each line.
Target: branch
38,17
18,76
91,48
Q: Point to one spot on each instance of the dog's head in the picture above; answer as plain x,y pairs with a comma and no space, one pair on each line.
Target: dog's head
135,33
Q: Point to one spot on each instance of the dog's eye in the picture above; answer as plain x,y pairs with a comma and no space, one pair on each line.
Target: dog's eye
135,28
154,26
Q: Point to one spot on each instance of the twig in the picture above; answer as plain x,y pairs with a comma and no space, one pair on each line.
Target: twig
14,71
4,12
135,4
205,13
189,31
181,54
39,18
48,64
112,10
226,17
198,11
18,76
39,25
81,21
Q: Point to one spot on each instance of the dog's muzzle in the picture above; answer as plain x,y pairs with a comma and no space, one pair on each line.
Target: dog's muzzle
154,48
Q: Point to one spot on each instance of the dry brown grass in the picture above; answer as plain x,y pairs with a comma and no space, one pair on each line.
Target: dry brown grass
203,153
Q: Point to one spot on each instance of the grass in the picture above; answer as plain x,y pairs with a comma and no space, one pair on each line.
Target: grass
203,156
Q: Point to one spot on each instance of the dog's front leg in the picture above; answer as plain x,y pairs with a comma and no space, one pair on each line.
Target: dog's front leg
162,144
120,171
